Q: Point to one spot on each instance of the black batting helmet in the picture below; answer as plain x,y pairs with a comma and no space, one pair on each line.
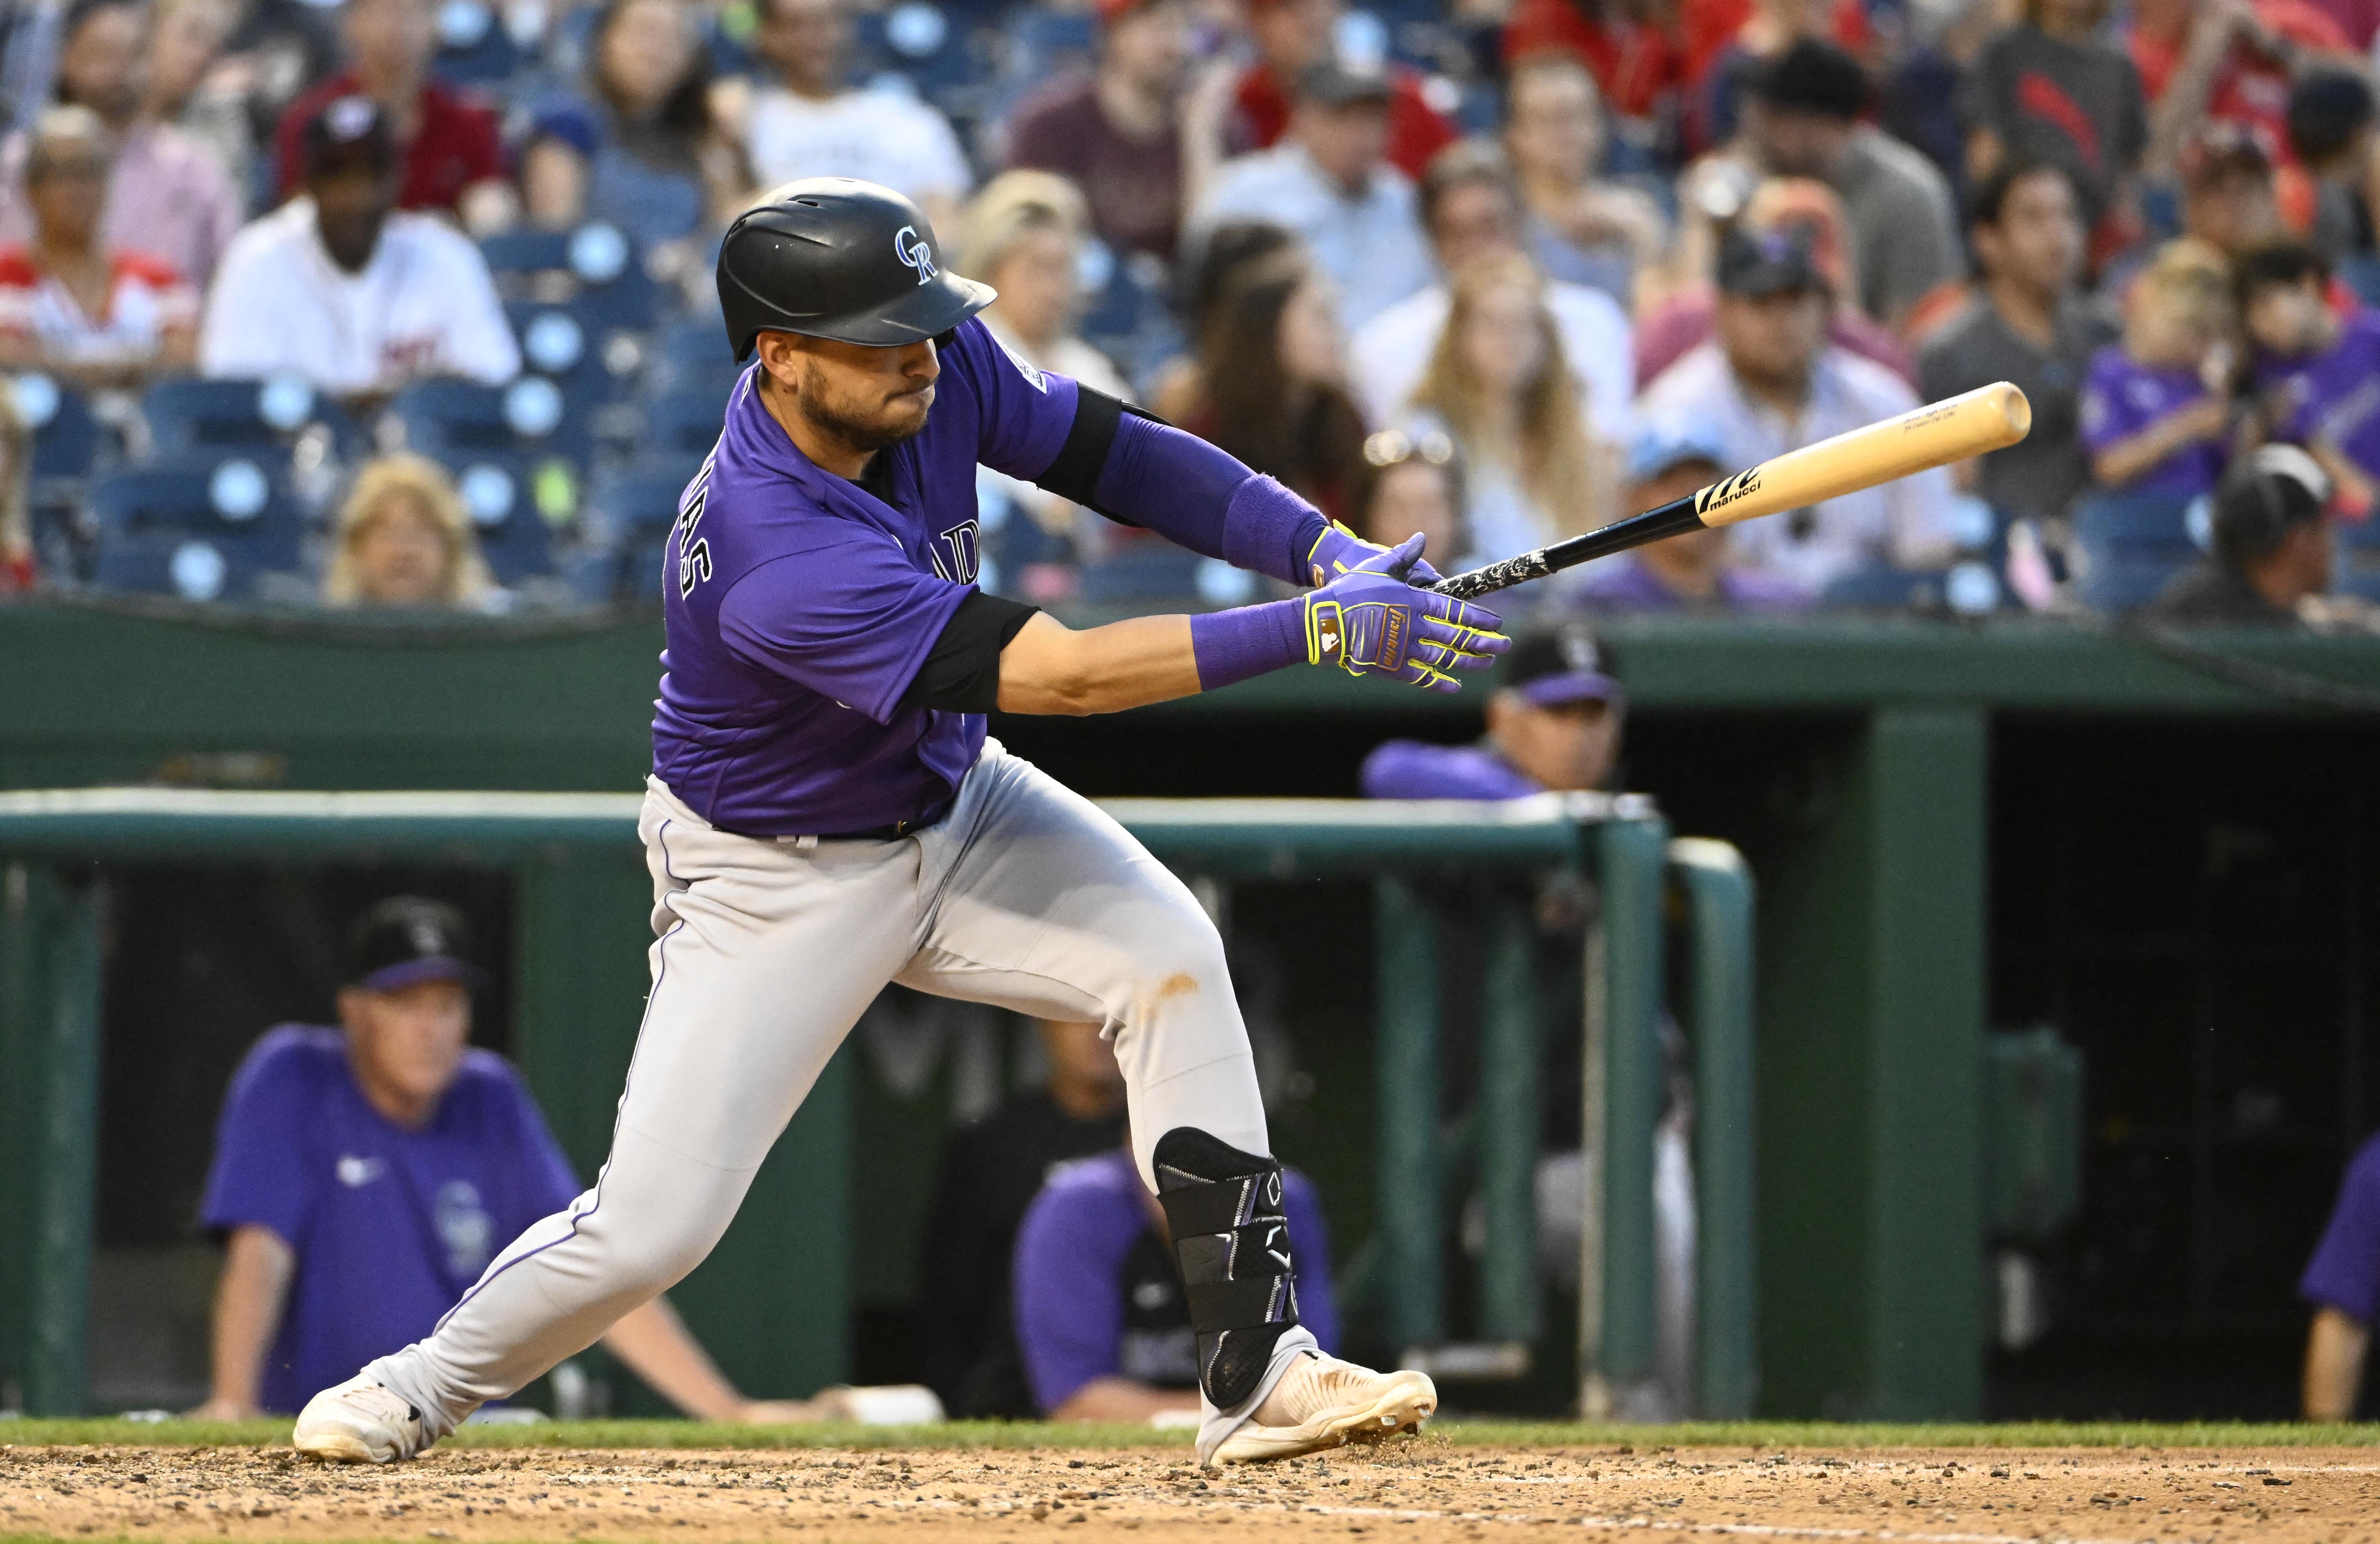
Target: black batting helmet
832,257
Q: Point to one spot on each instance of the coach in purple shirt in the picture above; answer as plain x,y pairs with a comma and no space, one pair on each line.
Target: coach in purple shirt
1101,1318
1553,725
364,1176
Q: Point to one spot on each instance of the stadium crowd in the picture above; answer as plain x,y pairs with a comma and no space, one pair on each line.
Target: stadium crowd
405,303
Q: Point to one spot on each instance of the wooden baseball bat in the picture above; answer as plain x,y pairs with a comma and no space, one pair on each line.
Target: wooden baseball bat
1989,418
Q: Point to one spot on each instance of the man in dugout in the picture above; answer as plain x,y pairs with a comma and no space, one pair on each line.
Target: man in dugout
364,1175
1554,722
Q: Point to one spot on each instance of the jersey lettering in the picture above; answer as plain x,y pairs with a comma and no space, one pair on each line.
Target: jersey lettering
693,552
957,551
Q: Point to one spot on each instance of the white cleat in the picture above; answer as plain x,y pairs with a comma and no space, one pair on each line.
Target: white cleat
1327,1404
359,1422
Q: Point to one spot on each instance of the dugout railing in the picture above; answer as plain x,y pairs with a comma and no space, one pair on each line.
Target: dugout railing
777,1292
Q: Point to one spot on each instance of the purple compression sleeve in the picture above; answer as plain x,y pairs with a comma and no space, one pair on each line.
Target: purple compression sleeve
1188,492
1247,641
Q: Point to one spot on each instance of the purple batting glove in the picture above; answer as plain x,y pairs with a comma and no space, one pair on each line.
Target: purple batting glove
1339,551
1370,621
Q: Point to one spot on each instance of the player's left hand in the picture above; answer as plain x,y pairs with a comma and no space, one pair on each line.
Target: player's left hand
1371,621
1340,550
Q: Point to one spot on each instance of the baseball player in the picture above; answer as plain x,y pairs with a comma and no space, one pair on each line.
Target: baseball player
826,815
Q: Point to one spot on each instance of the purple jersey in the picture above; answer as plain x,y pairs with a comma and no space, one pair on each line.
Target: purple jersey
1414,770
390,1226
2345,1271
1083,1309
800,605
2334,395
2120,398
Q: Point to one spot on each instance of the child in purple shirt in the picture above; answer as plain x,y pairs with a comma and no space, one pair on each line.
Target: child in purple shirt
1101,1317
2317,376
2154,412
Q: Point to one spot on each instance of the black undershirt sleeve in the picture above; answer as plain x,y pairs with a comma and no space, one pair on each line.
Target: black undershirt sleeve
1074,474
962,672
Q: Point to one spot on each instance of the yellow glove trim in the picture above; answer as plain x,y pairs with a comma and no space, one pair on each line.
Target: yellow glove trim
1320,578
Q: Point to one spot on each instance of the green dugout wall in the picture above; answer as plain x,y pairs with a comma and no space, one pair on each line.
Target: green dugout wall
1849,760
773,1300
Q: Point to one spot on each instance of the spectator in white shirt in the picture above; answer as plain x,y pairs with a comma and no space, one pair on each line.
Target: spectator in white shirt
1328,181
1499,387
1768,382
340,287
1471,206
811,122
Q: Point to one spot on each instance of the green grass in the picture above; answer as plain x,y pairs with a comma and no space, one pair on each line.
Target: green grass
1022,1434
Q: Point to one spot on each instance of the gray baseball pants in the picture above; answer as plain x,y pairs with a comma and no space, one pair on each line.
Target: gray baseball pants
1026,896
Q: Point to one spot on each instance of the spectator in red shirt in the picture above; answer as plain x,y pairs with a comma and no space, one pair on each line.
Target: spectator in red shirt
2231,60
1293,34
1635,59
93,315
451,145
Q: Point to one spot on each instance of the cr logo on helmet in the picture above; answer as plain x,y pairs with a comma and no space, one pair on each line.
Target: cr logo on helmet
914,252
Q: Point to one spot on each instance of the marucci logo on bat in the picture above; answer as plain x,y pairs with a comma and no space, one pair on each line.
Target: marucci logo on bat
1718,495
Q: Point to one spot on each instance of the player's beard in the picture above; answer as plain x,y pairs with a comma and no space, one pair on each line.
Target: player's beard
866,434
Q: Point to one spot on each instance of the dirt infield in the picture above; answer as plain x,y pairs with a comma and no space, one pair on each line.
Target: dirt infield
1426,1487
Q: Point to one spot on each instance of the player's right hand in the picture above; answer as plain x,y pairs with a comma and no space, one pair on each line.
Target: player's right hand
1369,621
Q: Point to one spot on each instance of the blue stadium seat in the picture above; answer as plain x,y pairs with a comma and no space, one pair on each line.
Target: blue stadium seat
2359,536
516,499
691,356
919,40
2362,273
475,48
1882,588
563,343
67,438
595,266
202,529
2360,580
639,504
1970,588
1142,569
684,423
444,417
2130,544
199,417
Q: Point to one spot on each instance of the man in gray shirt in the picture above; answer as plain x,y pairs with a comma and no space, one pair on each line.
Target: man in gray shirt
2026,325
1803,120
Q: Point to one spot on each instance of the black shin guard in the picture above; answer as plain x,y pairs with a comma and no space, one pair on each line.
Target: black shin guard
1231,1243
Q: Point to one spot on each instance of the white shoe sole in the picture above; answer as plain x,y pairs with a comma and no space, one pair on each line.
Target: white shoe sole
1407,1400
338,1447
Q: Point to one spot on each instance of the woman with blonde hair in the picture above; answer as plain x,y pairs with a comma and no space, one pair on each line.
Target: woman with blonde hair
404,540
1023,235
1498,388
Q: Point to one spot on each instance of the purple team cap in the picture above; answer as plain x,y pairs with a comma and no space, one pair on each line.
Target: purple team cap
405,940
1559,667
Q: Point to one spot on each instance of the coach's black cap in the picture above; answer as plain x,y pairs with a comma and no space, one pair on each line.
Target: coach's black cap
349,131
832,257
1559,665
405,941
